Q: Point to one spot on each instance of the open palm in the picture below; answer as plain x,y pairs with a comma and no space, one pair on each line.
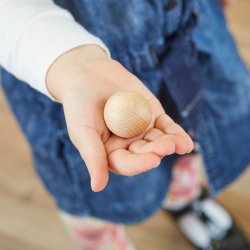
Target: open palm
103,151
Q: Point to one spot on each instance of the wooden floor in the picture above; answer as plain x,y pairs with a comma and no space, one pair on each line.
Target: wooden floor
28,219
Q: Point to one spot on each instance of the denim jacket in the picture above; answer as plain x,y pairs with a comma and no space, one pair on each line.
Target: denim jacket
182,51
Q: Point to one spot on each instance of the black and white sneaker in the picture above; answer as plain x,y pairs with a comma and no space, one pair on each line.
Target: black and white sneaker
208,226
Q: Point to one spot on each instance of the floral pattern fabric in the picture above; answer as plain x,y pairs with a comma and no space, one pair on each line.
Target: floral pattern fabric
94,234
185,182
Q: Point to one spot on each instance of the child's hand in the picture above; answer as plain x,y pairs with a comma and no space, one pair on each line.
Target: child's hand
82,80
227,3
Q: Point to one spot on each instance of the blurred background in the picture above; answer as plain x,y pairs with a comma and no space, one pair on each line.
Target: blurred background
28,219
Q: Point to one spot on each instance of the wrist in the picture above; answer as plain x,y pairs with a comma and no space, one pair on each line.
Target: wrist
70,64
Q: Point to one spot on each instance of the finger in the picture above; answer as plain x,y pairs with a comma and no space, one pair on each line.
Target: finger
153,134
115,142
136,146
168,126
162,148
93,153
181,145
159,147
123,162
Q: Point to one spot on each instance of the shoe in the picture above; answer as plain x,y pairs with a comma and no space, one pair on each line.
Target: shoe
208,226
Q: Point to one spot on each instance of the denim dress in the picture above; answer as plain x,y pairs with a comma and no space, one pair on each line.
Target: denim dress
182,51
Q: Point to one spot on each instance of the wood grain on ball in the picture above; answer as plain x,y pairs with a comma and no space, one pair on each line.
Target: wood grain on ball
127,114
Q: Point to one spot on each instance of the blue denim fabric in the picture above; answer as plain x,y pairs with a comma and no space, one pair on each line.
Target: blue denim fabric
225,132
198,77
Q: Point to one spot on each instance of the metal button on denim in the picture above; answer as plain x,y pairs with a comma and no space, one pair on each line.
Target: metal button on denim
171,5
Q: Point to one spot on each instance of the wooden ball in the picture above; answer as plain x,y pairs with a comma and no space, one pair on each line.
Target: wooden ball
127,114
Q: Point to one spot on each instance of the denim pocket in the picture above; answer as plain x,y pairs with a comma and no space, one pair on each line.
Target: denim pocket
182,75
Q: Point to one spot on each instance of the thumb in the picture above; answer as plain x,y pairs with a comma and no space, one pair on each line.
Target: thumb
92,150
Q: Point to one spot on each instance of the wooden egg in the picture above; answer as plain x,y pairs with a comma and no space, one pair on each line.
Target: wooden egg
127,114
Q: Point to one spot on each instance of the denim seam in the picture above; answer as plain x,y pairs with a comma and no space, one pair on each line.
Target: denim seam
214,173
192,104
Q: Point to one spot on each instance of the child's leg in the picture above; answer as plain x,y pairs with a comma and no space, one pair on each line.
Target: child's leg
200,218
185,182
94,234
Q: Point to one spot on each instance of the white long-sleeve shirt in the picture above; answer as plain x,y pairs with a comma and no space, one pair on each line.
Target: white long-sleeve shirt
33,34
